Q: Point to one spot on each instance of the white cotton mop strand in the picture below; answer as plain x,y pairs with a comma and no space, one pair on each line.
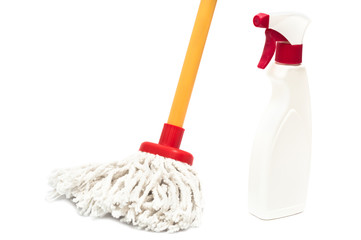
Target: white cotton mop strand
156,189
146,190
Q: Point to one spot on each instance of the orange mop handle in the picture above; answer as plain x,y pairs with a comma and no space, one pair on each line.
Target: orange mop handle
191,62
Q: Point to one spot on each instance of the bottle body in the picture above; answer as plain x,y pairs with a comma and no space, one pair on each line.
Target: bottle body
280,161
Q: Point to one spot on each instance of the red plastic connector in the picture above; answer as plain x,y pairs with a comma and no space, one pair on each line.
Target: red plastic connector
168,146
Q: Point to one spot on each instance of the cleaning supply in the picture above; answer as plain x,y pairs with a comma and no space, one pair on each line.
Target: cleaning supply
155,189
280,162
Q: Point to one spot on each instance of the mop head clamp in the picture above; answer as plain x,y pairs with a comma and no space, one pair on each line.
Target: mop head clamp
168,146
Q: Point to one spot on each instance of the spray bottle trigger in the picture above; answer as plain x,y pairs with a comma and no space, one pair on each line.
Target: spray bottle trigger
269,49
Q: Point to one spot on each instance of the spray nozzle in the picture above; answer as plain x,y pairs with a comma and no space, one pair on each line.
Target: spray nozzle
284,36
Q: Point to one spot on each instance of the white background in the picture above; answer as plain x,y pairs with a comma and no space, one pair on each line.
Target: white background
88,81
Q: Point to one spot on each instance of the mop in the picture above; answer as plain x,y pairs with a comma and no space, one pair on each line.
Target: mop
155,189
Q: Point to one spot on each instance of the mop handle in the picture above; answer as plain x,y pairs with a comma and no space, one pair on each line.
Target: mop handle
191,62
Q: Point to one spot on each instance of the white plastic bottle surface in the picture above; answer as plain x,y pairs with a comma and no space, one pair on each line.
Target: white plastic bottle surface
280,161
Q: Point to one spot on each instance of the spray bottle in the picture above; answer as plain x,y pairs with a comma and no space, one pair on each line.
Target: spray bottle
280,161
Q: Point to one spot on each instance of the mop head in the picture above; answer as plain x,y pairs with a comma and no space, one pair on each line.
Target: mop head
146,190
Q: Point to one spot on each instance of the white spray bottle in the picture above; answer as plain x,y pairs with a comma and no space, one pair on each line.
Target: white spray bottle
280,162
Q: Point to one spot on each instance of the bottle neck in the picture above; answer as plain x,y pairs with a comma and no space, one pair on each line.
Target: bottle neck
288,54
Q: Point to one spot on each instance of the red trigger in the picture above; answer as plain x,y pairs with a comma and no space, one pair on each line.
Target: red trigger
269,47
